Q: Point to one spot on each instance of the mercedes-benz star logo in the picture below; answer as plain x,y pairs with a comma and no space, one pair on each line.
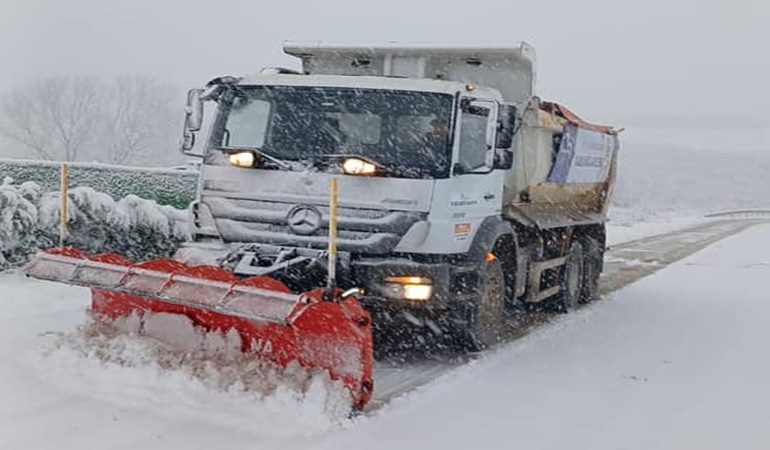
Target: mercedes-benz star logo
304,219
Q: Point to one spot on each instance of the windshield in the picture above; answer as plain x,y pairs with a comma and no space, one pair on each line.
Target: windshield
405,132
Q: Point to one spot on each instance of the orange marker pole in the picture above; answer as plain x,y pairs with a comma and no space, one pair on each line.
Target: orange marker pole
331,284
64,204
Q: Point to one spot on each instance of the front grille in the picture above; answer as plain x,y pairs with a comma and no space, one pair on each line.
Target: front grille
250,207
371,231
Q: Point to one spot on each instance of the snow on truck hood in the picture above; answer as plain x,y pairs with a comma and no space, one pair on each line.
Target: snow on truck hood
395,194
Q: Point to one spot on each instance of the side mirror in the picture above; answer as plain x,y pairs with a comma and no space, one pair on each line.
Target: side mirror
506,126
194,110
193,120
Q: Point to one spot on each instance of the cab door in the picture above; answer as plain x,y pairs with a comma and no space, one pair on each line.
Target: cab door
475,190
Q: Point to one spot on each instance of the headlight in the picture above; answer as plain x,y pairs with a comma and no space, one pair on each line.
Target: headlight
243,159
410,288
356,166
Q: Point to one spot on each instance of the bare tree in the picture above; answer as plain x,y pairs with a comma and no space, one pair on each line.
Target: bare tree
55,118
132,120
140,124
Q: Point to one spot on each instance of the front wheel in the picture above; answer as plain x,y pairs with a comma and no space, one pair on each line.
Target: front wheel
486,324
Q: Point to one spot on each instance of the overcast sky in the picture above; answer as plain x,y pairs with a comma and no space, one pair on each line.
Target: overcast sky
612,61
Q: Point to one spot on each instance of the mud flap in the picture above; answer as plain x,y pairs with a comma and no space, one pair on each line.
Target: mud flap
274,323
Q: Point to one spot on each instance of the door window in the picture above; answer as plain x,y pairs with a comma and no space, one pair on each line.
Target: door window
476,136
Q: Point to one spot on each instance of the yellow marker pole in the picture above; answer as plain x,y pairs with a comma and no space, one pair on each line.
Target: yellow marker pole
331,284
64,204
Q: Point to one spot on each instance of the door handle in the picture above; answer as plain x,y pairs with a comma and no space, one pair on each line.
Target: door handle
489,196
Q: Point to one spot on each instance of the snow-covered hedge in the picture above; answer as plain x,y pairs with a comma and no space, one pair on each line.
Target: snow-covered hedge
165,186
132,226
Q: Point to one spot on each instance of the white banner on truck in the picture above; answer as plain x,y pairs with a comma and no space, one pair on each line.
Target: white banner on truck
584,156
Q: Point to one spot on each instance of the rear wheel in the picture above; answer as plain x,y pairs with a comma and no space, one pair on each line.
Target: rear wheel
572,280
487,319
592,269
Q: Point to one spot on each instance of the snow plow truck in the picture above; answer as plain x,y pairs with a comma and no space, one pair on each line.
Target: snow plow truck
378,187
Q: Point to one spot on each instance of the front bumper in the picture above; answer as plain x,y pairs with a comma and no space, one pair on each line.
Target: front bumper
369,274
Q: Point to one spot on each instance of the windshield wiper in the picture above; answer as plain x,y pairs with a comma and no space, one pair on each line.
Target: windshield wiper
259,152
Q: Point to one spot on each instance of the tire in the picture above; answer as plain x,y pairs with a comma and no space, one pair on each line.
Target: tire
572,280
486,324
593,256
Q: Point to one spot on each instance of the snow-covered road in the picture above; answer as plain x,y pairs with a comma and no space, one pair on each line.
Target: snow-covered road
677,360
624,264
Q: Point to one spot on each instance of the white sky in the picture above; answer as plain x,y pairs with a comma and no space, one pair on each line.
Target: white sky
612,61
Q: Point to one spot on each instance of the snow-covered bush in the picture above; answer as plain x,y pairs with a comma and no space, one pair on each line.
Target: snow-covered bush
18,218
137,228
166,186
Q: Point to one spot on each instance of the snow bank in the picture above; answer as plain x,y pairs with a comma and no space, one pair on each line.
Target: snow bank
137,228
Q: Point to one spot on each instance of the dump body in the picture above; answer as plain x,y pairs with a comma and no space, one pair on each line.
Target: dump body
563,172
507,68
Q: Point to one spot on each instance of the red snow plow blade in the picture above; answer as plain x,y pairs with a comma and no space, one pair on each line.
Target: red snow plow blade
273,323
